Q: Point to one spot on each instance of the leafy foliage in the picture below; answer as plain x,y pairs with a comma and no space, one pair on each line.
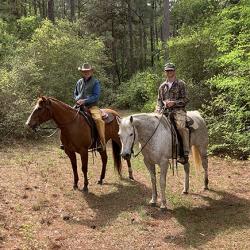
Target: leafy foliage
7,41
139,92
46,65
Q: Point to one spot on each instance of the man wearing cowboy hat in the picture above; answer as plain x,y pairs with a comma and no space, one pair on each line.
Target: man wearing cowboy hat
87,92
172,96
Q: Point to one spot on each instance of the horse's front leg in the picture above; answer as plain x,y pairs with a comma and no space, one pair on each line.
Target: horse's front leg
84,158
104,164
163,176
186,178
72,157
130,171
151,169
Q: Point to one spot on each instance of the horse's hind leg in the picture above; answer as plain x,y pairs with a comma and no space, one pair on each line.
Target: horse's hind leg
84,158
186,178
104,165
72,157
204,160
151,169
130,171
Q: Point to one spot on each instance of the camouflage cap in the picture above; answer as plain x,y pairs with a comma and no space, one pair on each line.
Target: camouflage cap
85,67
169,66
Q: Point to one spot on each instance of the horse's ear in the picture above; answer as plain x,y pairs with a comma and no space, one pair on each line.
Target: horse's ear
118,119
44,98
131,119
48,101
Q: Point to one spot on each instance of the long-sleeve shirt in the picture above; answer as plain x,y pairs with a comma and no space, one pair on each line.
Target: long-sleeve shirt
88,90
176,93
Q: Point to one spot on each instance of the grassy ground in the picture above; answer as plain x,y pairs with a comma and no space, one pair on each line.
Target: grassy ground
40,210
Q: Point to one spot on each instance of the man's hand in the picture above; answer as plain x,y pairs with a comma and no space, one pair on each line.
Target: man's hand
169,103
80,102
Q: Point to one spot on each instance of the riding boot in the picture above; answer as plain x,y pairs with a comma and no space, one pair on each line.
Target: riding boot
184,132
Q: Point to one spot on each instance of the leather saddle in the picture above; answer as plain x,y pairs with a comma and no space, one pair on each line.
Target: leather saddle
106,117
177,140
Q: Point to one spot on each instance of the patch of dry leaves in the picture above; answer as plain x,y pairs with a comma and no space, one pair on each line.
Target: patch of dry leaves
40,210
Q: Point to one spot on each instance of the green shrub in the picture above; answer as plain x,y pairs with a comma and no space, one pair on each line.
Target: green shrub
47,65
140,92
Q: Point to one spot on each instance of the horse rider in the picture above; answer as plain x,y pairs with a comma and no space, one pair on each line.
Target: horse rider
87,93
172,96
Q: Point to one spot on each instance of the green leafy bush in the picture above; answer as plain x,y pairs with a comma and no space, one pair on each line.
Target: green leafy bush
7,41
47,65
140,92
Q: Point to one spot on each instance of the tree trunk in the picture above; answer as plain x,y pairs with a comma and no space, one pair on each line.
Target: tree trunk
141,45
64,9
145,47
156,29
24,8
42,8
35,7
152,32
114,56
72,10
131,46
79,8
51,14
15,8
165,26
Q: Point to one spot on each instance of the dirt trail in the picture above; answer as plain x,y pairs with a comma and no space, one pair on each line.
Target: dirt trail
39,209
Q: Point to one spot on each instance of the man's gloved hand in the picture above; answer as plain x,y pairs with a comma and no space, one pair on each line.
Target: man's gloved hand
80,102
168,103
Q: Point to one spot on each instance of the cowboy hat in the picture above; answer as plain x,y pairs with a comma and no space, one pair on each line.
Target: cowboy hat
85,67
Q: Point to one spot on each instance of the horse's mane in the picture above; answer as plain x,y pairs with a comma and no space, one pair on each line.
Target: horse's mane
56,100
145,116
40,99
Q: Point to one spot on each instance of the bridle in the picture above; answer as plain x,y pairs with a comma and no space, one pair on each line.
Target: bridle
145,144
59,126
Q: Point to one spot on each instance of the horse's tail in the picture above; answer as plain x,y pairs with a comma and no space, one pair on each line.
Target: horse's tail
196,158
116,156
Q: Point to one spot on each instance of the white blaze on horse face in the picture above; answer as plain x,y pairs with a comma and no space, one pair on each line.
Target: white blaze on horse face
29,120
126,133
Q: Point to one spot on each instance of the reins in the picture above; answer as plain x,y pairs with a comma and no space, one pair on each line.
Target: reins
67,123
48,136
59,126
145,144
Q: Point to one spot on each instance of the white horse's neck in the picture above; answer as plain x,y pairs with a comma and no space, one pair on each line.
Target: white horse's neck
146,126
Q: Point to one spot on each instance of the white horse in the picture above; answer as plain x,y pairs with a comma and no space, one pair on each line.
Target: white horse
154,135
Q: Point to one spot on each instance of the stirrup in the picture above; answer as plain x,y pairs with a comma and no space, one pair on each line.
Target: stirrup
100,147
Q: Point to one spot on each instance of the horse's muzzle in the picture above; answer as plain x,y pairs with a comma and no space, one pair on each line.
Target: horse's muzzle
32,126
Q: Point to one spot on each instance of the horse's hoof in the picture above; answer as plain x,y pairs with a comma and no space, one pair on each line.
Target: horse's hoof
75,187
206,188
185,192
100,182
131,178
152,204
163,208
85,190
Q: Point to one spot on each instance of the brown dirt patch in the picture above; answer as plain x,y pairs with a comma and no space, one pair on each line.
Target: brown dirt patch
39,209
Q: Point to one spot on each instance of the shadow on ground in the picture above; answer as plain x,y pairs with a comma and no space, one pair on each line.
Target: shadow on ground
107,207
202,224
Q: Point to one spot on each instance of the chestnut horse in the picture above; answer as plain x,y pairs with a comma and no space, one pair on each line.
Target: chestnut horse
76,135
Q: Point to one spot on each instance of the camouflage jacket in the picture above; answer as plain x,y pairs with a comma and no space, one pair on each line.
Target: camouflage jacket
176,93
